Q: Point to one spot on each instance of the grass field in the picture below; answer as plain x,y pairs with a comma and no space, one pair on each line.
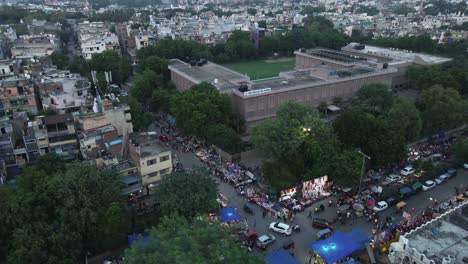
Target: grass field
260,69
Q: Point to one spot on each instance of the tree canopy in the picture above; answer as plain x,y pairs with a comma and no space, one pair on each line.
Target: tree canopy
406,117
176,240
375,97
297,145
202,106
187,194
442,109
56,213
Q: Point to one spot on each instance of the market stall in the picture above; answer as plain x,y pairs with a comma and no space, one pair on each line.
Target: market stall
280,256
335,248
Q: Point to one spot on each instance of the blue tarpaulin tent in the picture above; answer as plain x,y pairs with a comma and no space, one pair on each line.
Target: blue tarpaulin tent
359,236
352,262
375,177
336,247
138,238
228,214
280,256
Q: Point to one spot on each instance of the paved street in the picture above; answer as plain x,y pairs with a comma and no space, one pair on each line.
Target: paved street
307,234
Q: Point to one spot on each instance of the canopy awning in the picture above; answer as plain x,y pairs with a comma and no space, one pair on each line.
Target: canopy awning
229,214
280,256
336,247
333,108
358,235
138,239
375,177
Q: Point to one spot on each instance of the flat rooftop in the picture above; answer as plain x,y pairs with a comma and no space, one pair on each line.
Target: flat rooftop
335,55
452,238
418,58
289,79
221,77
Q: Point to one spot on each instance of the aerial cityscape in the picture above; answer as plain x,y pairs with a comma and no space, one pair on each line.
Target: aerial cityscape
234,131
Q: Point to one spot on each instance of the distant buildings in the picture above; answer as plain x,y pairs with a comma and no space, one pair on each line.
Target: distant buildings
95,37
33,46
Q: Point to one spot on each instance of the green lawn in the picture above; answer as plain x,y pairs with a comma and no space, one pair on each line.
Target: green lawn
260,69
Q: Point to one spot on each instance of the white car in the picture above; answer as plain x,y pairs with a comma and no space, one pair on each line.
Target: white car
380,206
427,185
407,170
465,166
281,228
441,179
393,178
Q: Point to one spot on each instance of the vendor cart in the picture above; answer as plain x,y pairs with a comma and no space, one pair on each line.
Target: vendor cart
401,205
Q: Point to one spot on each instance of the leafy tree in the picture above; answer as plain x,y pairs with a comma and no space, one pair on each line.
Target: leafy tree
141,119
180,49
297,145
176,240
225,138
59,59
79,65
442,109
406,117
202,106
252,11
427,76
375,97
376,136
187,194
113,62
54,212
262,24
161,99
144,86
460,150
156,64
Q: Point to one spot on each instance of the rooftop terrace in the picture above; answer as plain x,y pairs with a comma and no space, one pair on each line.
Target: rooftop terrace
445,237
223,78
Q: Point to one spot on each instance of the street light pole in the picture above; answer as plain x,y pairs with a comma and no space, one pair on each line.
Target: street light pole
364,157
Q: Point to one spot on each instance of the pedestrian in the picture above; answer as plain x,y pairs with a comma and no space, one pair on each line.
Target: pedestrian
264,213
255,223
310,214
348,214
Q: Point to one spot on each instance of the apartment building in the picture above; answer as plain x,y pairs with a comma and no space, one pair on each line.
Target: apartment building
33,46
65,93
95,37
17,94
62,136
152,157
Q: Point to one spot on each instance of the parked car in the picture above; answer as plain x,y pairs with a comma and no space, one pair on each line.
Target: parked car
322,224
451,173
427,185
465,166
393,178
441,179
380,206
264,241
281,228
407,171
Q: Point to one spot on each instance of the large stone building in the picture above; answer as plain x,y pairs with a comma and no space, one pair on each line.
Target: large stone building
320,76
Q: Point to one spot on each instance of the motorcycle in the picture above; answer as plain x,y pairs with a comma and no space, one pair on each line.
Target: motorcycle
331,203
297,228
319,209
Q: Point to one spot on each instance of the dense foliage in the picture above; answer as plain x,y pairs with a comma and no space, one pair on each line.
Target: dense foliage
187,194
297,145
60,211
176,240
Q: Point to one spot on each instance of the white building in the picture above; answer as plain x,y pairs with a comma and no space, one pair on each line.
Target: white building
442,240
95,38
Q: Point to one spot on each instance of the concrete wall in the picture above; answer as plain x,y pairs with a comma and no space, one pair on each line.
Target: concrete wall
255,108
181,82
304,61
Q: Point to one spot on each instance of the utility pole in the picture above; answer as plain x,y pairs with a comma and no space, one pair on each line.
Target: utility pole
364,157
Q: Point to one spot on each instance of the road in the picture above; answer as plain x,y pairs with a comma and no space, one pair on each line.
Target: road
307,234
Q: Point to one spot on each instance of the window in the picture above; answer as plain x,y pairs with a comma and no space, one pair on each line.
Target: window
151,162
164,158
163,172
153,174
